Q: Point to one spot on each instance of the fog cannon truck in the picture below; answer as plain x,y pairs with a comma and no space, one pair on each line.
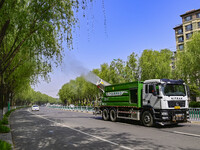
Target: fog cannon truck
162,101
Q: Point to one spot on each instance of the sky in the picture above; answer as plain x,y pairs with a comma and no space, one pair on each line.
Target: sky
114,29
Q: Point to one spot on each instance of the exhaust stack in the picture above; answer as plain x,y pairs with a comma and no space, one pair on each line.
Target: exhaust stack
101,84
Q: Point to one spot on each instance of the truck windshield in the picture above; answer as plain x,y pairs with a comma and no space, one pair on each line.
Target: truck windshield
174,90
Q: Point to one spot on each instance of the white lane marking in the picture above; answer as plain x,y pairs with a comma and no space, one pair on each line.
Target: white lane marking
183,133
102,139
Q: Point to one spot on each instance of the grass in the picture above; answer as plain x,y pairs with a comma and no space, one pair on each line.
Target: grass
5,146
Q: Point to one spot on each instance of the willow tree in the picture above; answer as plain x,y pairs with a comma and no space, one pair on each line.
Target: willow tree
34,30
32,97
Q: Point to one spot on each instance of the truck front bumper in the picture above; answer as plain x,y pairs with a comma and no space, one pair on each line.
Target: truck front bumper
171,115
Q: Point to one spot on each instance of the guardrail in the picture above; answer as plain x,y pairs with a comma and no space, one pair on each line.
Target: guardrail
75,108
194,114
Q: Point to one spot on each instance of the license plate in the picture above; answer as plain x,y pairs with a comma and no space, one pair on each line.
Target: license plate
179,116
177,107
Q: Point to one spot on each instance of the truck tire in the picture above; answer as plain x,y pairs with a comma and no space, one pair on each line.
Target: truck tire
105,115
147,119
113,115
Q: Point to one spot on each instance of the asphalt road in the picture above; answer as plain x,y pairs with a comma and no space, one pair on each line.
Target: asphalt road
51,129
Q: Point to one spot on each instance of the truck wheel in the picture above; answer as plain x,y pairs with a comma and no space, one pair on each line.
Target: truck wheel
105,115
113,115
147,119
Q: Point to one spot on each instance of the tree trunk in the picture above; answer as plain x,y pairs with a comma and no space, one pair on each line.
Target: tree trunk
1,96
1,101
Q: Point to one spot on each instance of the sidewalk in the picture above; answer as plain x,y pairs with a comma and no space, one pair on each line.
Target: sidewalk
7,137
195,122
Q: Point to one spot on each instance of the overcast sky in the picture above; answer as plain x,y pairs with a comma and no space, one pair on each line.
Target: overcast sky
114,29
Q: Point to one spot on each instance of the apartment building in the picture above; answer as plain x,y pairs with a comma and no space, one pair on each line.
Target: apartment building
190,24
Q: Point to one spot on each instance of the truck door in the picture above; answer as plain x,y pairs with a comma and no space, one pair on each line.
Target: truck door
149,98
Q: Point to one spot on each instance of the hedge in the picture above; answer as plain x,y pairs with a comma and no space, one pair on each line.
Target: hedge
194,104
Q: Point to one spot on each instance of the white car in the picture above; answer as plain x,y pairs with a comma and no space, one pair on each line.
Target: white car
71,106
35,107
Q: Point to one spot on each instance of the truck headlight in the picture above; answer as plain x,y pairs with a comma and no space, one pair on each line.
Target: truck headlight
165,118
164,113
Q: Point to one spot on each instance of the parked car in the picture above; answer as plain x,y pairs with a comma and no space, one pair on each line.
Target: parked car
71,106
35,107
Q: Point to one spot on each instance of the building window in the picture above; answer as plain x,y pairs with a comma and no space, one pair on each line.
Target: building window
180,47
188,18
188,35
188,27
180,31
198,15
180,39
198,24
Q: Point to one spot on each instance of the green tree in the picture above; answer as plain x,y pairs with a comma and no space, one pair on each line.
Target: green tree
78,92
117,71
131,68
187,64
104,72
155,64
28,96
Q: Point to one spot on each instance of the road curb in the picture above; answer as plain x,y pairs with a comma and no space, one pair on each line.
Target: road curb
195,122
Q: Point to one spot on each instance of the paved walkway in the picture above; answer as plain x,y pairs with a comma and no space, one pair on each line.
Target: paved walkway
7,137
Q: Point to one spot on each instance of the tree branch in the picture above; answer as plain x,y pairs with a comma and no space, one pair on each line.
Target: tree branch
5,58
12,55
3,30
21,62
1,3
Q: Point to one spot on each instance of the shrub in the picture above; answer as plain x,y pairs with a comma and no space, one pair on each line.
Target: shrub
4,121
194,104
9,112
5,146
4,129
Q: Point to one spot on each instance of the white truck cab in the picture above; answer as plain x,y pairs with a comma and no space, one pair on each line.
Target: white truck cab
168,100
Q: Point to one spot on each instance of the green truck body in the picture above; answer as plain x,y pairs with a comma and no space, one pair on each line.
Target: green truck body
125,94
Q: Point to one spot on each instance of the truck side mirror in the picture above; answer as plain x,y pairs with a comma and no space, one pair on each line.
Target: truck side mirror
188,91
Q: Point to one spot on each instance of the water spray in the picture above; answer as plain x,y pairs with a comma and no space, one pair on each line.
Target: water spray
94,79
